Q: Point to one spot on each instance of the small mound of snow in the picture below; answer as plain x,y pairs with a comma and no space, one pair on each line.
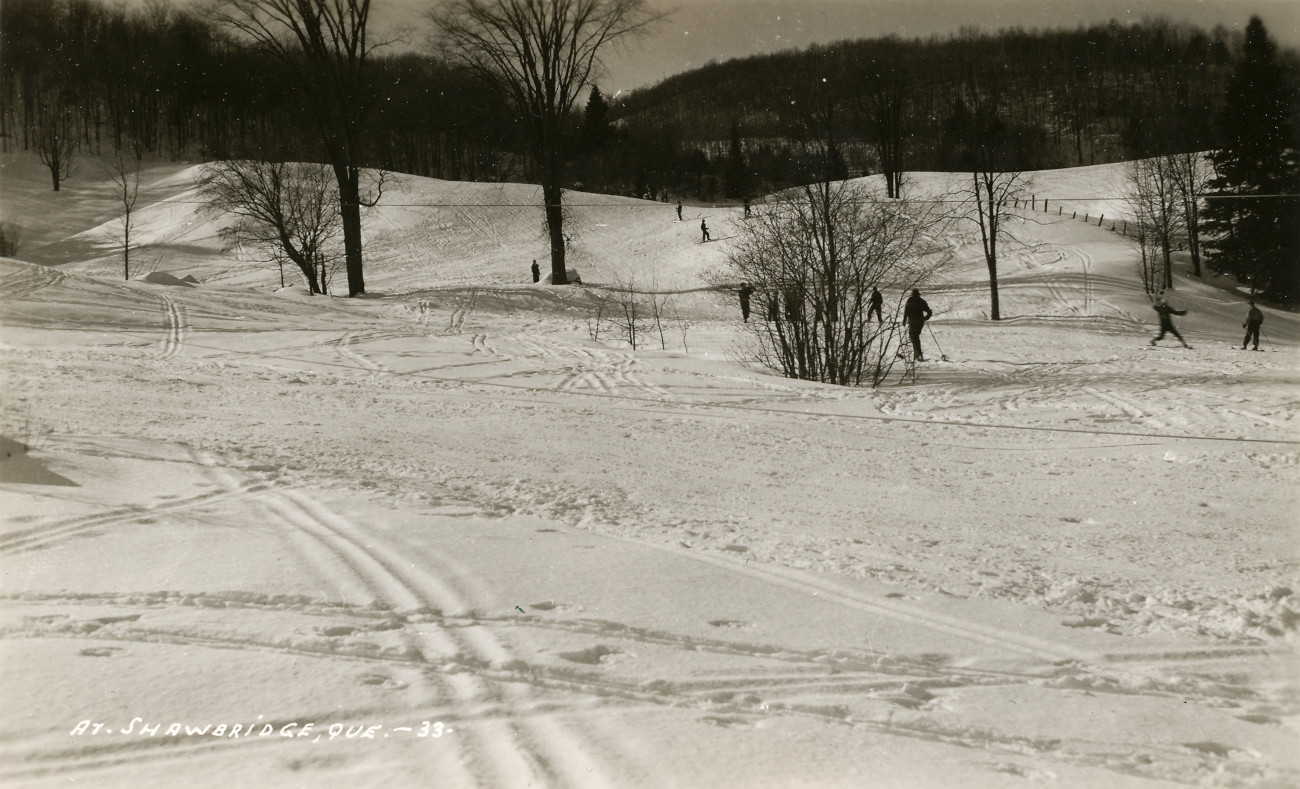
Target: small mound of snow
570,274
294,292
163,278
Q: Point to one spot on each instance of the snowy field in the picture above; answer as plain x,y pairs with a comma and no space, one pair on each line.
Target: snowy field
439,537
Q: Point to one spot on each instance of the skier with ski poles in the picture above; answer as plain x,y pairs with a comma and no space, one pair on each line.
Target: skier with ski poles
1253,320
915,313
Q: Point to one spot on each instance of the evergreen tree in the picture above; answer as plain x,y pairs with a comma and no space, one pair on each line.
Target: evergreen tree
595,122
1252,232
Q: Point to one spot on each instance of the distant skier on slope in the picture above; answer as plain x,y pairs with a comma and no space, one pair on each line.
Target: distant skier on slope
915,313
1162,308
874,305
537,272
705,230
679,211
745,292
1253,319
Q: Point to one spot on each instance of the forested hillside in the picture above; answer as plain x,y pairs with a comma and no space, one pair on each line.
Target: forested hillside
180,86
1068,98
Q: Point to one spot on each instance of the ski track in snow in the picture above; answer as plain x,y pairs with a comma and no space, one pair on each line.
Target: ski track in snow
176,327
539,756
524,693
456,646
22,282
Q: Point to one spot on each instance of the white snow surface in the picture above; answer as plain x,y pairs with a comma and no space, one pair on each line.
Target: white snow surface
440,537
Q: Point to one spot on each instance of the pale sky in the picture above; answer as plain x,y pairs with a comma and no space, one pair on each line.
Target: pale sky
699,30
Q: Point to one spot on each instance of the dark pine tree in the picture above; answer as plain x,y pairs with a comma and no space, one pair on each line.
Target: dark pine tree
1251,231
595,123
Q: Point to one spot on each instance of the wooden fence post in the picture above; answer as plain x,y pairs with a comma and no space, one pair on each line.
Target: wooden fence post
1102,219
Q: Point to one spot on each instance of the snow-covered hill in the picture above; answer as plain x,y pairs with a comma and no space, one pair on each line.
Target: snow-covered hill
442,537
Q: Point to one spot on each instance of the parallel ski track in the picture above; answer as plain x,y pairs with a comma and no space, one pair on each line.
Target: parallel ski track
735,698
538,752
23,281
176,328
45,534
481,342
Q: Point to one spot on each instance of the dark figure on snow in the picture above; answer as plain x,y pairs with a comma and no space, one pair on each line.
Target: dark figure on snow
747,208
679,212
745,292
915,313
794,305
537,272
874,305
705,230
1162,308
1253,319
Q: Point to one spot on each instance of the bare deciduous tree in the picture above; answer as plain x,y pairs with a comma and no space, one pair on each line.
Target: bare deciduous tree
324,46
812,256
54,136
990,152
284,211
992,196
883,111
541,55
629,313
1192,173
1155,198
124,169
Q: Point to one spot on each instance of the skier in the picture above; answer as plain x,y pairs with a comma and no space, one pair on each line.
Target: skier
874,305
537,272
705,230
1253,319
1162,308
745,292
679,211
794,304
747,208
915,313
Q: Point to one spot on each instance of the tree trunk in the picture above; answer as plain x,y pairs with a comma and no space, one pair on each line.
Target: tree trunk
350,211
551,194
995,312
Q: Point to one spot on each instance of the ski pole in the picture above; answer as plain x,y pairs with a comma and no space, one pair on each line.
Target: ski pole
942,356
